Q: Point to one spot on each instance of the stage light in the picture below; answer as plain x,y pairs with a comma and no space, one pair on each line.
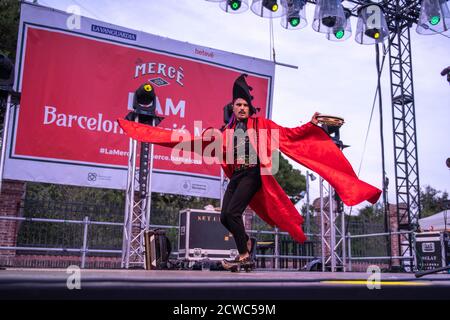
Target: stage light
341,34
329,16
271,5
295,17
294,21
144,105
434,17
434,20
371,27
144,100
234,6
269,8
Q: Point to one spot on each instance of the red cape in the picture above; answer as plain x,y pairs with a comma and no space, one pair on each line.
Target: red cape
308,145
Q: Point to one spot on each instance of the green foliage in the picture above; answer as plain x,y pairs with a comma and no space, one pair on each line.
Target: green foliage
9,25
74,194
432,201
291,180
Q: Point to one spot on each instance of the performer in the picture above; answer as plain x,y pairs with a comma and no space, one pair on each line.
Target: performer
251,181
245,179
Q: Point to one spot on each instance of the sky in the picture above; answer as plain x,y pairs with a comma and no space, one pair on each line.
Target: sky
337,78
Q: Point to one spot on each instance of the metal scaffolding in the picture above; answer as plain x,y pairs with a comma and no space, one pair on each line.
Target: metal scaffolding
137,206
400,15
11,102
332,231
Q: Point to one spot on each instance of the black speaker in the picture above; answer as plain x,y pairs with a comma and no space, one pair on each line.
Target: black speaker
157,249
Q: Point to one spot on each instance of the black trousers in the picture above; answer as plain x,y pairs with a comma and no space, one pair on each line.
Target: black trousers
241,189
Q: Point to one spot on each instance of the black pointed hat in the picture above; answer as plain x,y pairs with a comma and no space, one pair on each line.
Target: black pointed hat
242,90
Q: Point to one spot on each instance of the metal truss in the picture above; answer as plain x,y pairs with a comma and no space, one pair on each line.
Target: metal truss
137,205
10,101
332,232
400,15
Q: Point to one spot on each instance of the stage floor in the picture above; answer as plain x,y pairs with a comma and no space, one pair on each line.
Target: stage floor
217,285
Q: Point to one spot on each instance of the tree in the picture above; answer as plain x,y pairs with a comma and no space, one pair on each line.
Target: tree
9,26
291,180
432,201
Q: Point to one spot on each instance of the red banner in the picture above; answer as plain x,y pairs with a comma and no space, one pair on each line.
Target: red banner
74,88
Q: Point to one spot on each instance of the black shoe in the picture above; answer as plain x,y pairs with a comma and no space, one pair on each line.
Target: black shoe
227,264
236,265
248,264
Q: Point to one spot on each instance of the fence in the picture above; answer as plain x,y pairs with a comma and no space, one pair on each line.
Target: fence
368,249
91,236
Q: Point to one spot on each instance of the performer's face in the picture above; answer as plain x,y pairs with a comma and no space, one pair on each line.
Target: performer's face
241,109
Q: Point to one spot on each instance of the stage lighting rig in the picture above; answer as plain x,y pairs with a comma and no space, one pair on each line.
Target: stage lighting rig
339,33
328,16
371,27
269,8
295,17
434,17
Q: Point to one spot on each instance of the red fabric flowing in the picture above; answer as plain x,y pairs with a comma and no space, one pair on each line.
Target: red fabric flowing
308,145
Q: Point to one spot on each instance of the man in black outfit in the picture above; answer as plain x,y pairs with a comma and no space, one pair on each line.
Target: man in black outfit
246,178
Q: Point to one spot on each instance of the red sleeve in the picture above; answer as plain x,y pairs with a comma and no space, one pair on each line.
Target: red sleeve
162,137
312,147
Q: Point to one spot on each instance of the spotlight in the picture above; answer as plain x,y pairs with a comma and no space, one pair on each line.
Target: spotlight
434,20
329,21
371,27
144,100
339,33
329,16
373,33
271,5
295,17
234,6
144,105
294,21
269,8
434,17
